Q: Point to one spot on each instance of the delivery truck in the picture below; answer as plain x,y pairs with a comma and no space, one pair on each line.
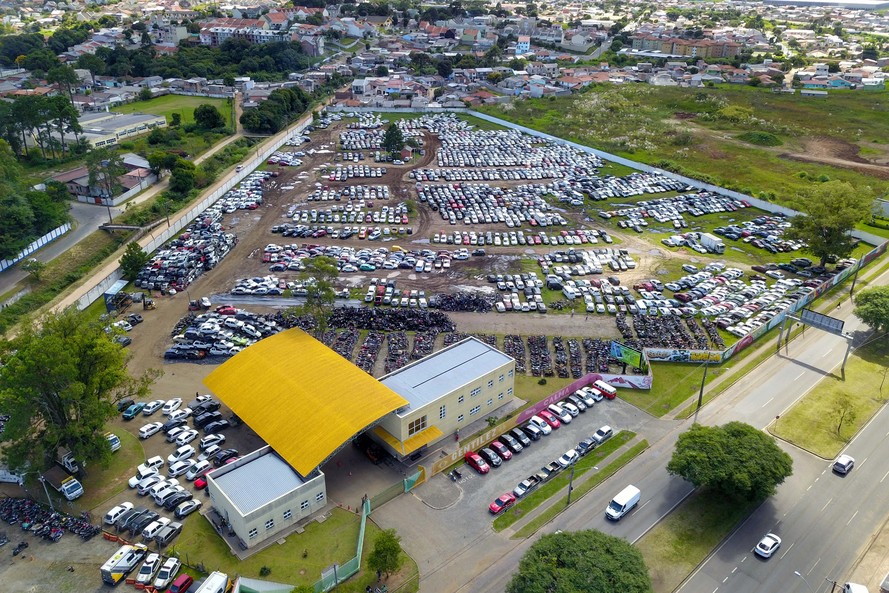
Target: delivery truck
65,484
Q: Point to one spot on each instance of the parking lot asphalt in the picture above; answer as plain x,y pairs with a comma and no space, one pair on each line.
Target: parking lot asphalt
441,517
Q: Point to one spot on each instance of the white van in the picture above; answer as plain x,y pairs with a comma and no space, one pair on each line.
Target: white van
569,293
217,582
623,503
606,389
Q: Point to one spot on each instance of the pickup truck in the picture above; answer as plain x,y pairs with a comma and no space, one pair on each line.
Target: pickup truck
66,485
548,471
526,486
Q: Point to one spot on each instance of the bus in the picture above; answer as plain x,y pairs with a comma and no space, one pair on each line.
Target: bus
122,563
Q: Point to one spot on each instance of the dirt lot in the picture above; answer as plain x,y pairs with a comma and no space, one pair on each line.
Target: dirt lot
831,151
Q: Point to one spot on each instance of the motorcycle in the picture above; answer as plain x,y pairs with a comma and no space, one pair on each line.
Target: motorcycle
21,546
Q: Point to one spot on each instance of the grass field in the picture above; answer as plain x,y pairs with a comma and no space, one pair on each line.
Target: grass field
693,131
675,546
298,561
185,105
826,419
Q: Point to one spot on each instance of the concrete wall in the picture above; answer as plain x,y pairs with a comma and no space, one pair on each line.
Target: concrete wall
35,245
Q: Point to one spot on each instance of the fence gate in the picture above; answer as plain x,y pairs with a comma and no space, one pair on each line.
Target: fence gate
415,479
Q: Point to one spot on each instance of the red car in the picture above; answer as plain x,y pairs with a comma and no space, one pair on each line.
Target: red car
549,418
200,483
476,462
501,504
501,450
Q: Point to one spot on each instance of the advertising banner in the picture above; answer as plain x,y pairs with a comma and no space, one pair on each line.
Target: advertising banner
682,355
625,354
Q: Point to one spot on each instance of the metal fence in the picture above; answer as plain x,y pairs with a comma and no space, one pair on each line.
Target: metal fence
35,245
336,573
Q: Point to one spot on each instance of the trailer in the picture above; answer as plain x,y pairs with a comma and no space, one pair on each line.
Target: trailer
65,484
712,243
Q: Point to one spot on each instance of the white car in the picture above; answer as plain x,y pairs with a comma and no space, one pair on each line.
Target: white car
180,414
174,433
145,485
149,568
114,514
167,573
198,469
181,467
172,405
150,429
153,406
541,424
767,545
844,464
603,434
209,453
186,437
181,454
162,485
186,508
149,532
210,440
569,458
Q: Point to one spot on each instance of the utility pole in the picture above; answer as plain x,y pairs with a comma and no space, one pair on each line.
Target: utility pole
570,486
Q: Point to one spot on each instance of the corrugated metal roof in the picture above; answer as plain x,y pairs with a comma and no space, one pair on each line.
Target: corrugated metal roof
301,397
451,368
258,482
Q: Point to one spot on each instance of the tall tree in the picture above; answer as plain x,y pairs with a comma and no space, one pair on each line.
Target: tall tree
319,275
93,63
735,459
393,139
207,117
588,561
386,555
132,260
829,212
104,167
59,382
872,307
65,77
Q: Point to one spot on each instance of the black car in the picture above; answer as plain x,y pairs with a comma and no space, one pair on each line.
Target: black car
127,519
490,456
175,500
138,526
125,403
203,419
222,456
208,406
511,444
171,424
217,426
519,435
585,446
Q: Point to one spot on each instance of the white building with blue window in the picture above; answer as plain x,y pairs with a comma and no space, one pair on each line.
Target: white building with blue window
445,391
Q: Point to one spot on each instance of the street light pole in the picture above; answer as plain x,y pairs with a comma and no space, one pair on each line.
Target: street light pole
570,486
808,586
45,489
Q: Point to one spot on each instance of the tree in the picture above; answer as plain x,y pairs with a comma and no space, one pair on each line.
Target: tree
589,561
381,70
844,411
132,260
829,211
34,268
386,554
872,307
319,275
393,140
145,94
65,77
182,178
207,117
60,380
160,160
104,167
735,459
175,119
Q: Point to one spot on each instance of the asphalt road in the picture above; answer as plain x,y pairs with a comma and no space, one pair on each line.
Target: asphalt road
821,517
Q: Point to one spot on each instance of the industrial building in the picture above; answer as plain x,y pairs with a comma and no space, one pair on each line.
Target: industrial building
306,402
109,128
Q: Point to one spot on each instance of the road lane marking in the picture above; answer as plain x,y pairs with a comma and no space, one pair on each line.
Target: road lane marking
863,461
800,375
767,403
724,580
825,504
734,570
826,353
644,503
884,477
716,589
813,566
850,519
788,550
744,558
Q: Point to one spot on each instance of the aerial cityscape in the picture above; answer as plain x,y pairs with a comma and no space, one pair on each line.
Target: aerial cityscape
468,296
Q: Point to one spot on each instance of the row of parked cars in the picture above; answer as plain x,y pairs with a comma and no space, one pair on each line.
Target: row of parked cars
225,331
357,193
512,238
350,214
485,204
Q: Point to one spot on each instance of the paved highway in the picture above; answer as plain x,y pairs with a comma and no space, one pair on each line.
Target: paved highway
821,517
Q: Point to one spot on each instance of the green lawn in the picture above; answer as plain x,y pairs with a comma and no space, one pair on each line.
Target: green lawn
826,419
551,488
676,545
182,104
299,561
673,384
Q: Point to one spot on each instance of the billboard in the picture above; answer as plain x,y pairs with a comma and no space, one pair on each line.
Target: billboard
682,355
823,322
624,353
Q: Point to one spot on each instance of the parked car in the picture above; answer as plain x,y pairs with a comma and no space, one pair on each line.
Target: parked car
180,467
198,469
570,457
181,584
490,456
150,429
149,568
520,436
133,410
114,514
501,450
152,528
502,503
211,440
167,573
152,407
603,434
540,424
223,456
477,463
549,418
177,499
182,453
168,534
172,405
215,427
187,507
148,483
514,445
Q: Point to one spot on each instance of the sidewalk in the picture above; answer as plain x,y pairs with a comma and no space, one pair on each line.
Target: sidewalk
873,562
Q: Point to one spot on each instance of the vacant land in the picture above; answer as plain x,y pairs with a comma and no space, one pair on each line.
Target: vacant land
766,144
182,104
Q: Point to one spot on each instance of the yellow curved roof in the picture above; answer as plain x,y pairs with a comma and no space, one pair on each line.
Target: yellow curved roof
301,397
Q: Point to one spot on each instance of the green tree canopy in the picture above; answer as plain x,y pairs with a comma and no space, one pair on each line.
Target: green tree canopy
735,459
829,211
588,561
132,260
872,307
319,275
60,379
207,117
386,554
393,140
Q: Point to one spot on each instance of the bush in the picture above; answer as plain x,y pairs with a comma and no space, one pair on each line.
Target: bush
760,138
265,571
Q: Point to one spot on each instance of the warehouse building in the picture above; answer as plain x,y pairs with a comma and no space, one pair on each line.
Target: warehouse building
109,128
445,391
